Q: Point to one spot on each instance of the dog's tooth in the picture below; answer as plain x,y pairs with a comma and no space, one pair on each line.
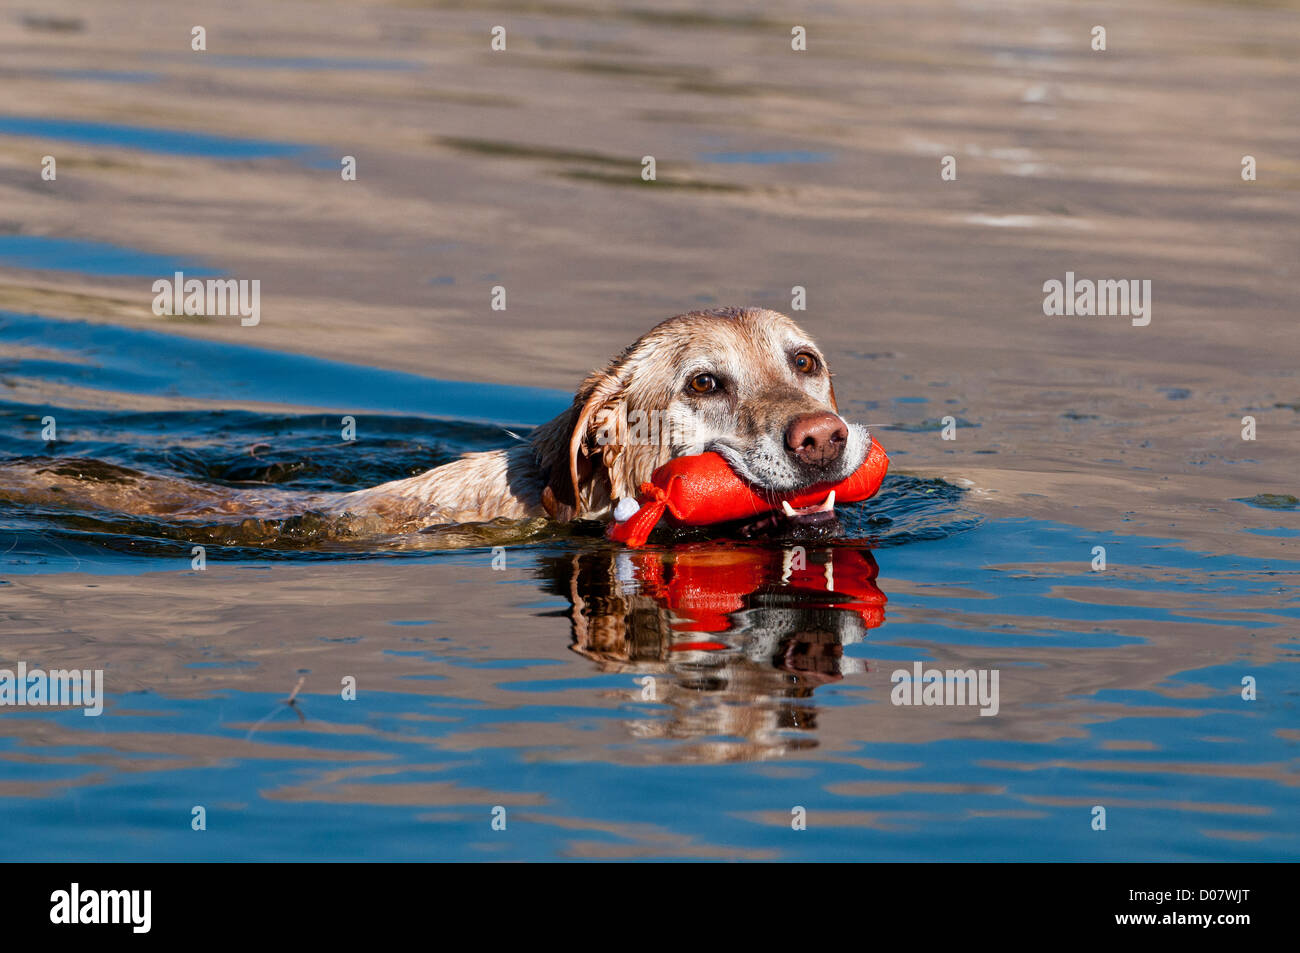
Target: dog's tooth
830,502
789,510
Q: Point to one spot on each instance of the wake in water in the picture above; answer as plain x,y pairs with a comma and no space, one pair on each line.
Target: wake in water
279,483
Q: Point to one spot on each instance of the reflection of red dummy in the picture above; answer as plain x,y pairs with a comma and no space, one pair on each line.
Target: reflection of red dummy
705,585
846,572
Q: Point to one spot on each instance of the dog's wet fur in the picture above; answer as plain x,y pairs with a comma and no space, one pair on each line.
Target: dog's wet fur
769,378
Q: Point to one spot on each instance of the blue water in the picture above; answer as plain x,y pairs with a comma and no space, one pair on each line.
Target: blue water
108,358
107,75
1007,807
46,253
479,688
178,142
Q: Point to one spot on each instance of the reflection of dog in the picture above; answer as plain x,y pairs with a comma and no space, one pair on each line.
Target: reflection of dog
736,638
746,383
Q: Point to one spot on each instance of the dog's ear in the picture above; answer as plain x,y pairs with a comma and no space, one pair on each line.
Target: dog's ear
560,495
596,436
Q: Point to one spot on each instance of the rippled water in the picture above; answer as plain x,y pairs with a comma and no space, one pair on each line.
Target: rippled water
681,701
672,702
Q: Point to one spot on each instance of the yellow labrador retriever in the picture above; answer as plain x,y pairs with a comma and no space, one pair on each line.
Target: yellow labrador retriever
747,383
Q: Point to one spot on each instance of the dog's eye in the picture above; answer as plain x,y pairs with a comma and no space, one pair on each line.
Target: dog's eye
805,363
704,383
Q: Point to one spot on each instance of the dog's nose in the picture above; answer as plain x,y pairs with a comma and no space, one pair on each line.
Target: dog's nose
816,439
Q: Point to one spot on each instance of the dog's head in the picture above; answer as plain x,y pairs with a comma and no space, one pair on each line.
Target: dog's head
746,383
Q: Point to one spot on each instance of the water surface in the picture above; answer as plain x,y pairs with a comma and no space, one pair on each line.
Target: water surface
676,702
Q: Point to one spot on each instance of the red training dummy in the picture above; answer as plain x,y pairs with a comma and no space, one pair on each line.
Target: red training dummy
700,490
